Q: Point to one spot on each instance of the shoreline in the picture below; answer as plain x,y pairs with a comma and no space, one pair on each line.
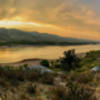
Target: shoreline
32,61
26,45
29,62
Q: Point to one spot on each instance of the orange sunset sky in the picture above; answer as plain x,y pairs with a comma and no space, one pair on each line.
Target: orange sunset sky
69,18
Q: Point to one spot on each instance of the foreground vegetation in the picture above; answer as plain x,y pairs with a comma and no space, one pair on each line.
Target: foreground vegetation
72,79
72,61
25,84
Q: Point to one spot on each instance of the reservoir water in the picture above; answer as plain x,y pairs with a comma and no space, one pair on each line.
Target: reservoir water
14,54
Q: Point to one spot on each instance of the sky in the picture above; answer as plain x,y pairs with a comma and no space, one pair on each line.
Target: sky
68,18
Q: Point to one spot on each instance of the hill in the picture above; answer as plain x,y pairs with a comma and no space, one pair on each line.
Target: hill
14,36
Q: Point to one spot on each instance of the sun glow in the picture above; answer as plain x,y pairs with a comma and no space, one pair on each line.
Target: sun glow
27,25
10,24
5,23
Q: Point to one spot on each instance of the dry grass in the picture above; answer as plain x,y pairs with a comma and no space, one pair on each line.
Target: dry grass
21,84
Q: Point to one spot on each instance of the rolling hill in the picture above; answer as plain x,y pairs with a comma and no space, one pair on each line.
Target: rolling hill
14,36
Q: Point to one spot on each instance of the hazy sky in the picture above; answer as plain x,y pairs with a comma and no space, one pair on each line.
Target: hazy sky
71,18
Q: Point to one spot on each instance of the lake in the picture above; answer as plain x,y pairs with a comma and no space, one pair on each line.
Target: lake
14,54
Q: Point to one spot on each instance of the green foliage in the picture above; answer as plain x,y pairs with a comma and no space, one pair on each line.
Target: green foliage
91,60
45,63
70,60
25,65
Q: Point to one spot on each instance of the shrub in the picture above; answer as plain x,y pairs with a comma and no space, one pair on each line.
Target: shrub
55,64
32,75
70,60
73,91
77,91
45,63
83,78
47,78
59,93
31,89
5,83
18,74
25,65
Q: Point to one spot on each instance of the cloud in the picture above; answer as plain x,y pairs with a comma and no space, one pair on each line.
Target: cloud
74,16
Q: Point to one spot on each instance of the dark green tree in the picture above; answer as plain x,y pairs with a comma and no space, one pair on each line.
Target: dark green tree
70,60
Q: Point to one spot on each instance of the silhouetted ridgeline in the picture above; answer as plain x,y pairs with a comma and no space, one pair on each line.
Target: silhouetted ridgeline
16,37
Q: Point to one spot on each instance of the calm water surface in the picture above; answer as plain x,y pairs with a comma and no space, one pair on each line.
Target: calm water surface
13,54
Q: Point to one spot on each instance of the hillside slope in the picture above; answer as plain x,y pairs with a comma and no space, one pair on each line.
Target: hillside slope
13,36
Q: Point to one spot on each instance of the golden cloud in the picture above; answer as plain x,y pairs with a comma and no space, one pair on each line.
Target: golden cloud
74,18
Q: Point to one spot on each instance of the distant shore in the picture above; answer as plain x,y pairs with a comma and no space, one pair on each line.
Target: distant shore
72,44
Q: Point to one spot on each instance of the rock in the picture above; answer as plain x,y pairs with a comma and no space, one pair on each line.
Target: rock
41,68
95,69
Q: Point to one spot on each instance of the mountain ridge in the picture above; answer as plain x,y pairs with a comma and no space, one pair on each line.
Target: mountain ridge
14,36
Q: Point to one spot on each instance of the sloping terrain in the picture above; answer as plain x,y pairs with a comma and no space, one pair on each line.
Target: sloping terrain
13,36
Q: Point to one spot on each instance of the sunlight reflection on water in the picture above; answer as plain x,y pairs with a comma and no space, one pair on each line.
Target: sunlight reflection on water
13,54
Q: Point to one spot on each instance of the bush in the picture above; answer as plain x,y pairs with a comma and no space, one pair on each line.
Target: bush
73,91
59,93
31,89
70,60
13,74
5,83
45,63
77,91
47,78
83,78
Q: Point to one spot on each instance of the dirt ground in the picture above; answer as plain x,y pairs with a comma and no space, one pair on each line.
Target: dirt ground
30,62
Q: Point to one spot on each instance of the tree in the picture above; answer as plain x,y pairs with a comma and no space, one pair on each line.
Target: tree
70,60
